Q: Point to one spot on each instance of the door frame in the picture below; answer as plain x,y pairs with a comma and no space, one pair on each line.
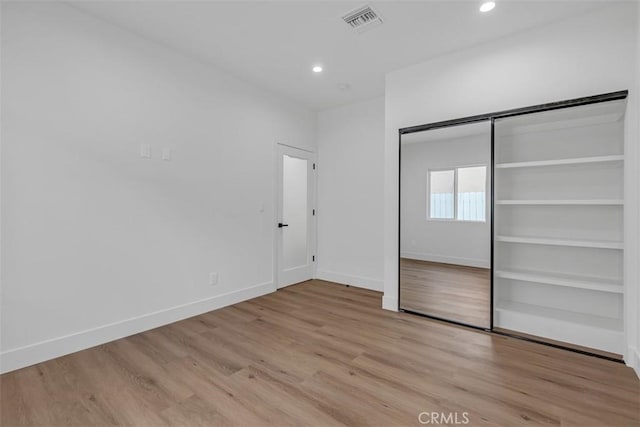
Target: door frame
313,186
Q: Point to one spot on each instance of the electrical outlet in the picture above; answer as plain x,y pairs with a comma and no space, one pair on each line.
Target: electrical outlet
213,279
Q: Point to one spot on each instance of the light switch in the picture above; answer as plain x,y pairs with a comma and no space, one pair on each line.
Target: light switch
213,279
166,154
145,151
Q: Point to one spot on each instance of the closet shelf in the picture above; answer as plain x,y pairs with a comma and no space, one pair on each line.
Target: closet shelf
580,117
609,323
557,279
563,202
561,242
558,162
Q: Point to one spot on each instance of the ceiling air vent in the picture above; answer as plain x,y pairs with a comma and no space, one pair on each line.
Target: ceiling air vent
362,19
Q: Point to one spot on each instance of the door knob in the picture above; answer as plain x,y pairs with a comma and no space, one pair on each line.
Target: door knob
280,225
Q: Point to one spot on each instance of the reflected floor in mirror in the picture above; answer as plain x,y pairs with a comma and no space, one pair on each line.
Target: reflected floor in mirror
447,291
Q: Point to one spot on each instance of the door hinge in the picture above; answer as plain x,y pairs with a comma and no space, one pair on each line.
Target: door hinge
314,166
313,212
313,258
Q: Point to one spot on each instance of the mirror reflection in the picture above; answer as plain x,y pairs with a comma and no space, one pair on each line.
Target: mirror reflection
445,224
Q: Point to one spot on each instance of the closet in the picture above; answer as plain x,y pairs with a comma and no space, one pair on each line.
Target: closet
558,224
556,215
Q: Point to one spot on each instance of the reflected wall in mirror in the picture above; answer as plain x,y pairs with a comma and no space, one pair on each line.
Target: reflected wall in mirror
445,223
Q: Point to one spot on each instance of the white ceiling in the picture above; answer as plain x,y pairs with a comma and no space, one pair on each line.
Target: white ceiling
275,43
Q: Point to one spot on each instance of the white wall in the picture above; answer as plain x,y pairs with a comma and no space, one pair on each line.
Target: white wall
98,243
350,205
585,55
452,242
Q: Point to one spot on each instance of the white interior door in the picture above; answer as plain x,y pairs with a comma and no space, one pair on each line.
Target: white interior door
295,216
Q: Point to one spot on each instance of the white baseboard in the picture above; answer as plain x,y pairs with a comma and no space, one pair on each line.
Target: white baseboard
21,357
347,279
633,361
389,303
470,262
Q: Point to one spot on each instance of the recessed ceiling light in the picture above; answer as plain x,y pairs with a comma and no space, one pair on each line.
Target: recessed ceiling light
487,6
317,69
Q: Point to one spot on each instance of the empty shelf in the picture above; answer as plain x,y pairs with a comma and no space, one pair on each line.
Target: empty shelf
557,279
609,323
561,242
563,202
575,117
559,162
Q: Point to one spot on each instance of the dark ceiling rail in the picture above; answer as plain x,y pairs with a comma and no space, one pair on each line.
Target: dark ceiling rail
611,96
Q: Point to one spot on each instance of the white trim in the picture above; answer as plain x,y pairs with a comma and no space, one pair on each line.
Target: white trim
21,357
470,262
276,213
348,279
632,228
633,360
389,303
295,148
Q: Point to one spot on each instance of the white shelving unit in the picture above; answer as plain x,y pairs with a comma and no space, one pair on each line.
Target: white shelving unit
558,217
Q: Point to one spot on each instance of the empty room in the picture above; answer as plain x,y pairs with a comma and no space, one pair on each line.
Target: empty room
319,213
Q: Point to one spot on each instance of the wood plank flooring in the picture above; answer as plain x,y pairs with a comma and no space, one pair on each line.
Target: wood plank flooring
447,291
319,354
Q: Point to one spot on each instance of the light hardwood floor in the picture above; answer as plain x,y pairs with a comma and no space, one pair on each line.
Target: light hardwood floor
319,354
447,291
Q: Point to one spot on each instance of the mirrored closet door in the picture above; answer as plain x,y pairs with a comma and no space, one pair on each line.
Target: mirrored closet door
558,242
445,223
